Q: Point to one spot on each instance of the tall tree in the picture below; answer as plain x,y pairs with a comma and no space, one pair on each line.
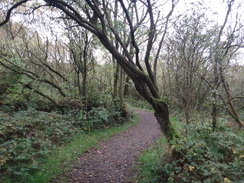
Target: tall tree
188,50
228,41
94,15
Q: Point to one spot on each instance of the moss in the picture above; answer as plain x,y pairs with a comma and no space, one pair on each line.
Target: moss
162,100
161,111
172,132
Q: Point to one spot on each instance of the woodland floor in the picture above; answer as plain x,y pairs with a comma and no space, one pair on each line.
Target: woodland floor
113,160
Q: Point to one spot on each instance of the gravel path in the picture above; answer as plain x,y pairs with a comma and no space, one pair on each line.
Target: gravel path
114,158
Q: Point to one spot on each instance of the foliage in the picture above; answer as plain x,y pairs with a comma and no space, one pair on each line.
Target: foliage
44,68
98,118
7,80
58,163
27,137
139,103
18,98
201,156
93,96
242,115
149,161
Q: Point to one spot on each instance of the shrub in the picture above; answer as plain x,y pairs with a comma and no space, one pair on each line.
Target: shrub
140,103
26,138
101,117
7,80
206,156
202,156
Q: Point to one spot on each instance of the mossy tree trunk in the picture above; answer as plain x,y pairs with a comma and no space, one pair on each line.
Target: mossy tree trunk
162,116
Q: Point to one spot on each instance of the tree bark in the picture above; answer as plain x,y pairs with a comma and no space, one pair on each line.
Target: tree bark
162,116
84,68
126,87
233,112
121,88
115,83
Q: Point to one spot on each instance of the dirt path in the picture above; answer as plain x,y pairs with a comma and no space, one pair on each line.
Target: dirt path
114,158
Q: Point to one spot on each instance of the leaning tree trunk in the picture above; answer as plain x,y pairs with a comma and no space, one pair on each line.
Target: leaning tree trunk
162,116
232,110
159,105
98,21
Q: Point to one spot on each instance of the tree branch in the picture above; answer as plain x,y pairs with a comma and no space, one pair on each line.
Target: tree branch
132,31
151,34
30,74
16,5
162,39
38,92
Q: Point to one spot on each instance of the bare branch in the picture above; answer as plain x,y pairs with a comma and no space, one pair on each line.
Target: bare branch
16,5
151,34
30,74
38,92
162,39
132,34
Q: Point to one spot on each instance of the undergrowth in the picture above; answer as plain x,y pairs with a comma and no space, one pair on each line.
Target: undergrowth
59,162
148,163
200,156
139,103
29,138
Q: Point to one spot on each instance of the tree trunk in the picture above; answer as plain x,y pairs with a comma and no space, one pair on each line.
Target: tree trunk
214,112
232,111
126,87
84,68
162,116
115,84
214,95
121,88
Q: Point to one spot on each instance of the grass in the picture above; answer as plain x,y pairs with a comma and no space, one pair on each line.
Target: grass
145,109
204,160
138,103
150,159
61,159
